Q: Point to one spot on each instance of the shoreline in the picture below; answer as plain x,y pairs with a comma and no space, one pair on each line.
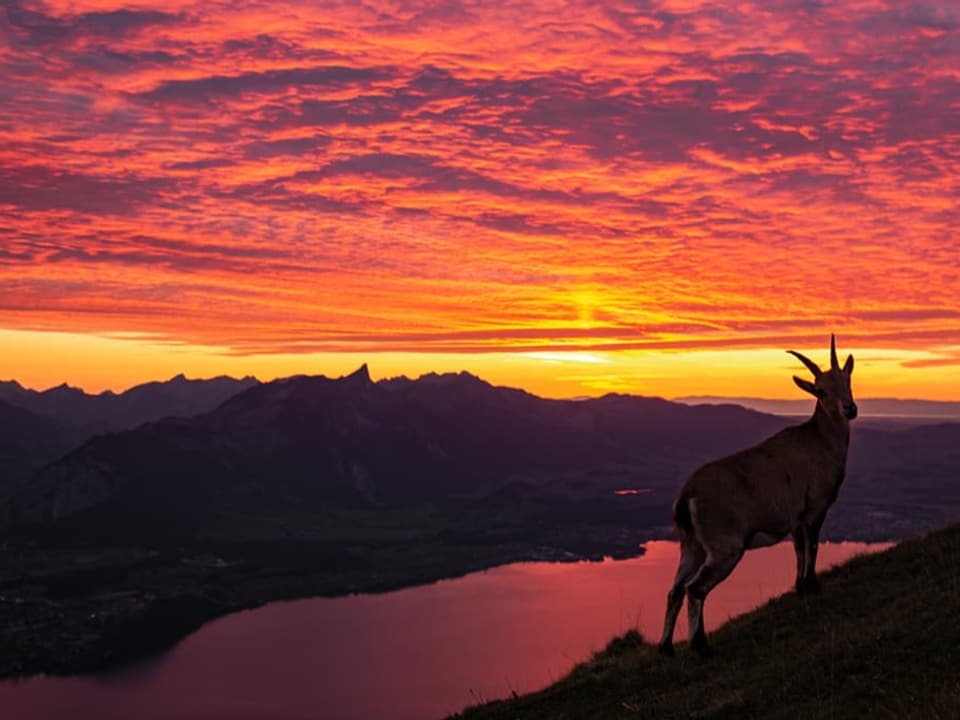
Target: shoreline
138,603
125,605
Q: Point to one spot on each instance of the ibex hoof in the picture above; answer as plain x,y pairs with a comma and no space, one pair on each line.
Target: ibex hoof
666,649
808,586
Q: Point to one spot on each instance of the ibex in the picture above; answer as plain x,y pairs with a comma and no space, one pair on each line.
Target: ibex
756,497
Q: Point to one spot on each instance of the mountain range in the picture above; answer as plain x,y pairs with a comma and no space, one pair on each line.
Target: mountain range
109,411
281,457
312,443
886,408
39,426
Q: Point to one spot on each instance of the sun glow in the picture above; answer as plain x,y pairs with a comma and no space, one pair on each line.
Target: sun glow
613,202
569,357
96,363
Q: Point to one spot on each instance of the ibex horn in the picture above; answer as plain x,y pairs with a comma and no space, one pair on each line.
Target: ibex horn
811,365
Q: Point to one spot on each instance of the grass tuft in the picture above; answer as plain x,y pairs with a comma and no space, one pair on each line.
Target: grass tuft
628,642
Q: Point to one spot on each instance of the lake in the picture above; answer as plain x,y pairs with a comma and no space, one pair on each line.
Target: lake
413,654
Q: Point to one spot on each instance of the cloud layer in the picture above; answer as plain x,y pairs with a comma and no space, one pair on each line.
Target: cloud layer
458,177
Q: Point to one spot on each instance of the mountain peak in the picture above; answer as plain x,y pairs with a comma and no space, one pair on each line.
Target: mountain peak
64,389
359,376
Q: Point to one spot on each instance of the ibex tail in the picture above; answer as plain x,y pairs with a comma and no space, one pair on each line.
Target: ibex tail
681,516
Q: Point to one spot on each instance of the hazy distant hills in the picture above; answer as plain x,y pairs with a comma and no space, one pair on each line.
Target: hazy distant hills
311,442
110,411
869,407
290,452
38,427
28,441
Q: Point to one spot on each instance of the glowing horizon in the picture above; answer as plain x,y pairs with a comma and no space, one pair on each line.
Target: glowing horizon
572,198
35,360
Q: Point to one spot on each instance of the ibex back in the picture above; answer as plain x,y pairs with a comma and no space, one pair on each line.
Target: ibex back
757,497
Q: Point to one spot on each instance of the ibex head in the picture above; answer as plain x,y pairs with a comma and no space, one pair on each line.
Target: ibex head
831,388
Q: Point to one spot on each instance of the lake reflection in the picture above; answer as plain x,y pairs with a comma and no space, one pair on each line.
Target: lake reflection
414,654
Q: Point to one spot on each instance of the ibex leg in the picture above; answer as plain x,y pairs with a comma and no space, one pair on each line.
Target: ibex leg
801,547
718,565
810,583
692,556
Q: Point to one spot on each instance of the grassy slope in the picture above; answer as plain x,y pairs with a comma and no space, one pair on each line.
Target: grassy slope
882,640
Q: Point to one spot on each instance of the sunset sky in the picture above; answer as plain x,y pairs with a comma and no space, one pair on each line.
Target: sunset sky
656,197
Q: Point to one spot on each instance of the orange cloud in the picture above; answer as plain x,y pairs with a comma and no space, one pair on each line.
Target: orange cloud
294,177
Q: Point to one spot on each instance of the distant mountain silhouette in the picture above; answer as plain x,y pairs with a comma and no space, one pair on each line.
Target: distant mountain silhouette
907,480
869,407
38,427
110,411
285,452
28,441
312,442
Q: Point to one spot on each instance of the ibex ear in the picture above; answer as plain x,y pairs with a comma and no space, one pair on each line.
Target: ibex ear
848,365
806,386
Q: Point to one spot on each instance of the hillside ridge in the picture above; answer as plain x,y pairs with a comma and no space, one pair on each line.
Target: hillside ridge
882,640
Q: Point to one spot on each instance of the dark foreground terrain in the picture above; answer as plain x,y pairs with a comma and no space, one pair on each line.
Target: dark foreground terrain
882,640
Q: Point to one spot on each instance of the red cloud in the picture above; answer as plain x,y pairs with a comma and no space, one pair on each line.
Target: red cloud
294,176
